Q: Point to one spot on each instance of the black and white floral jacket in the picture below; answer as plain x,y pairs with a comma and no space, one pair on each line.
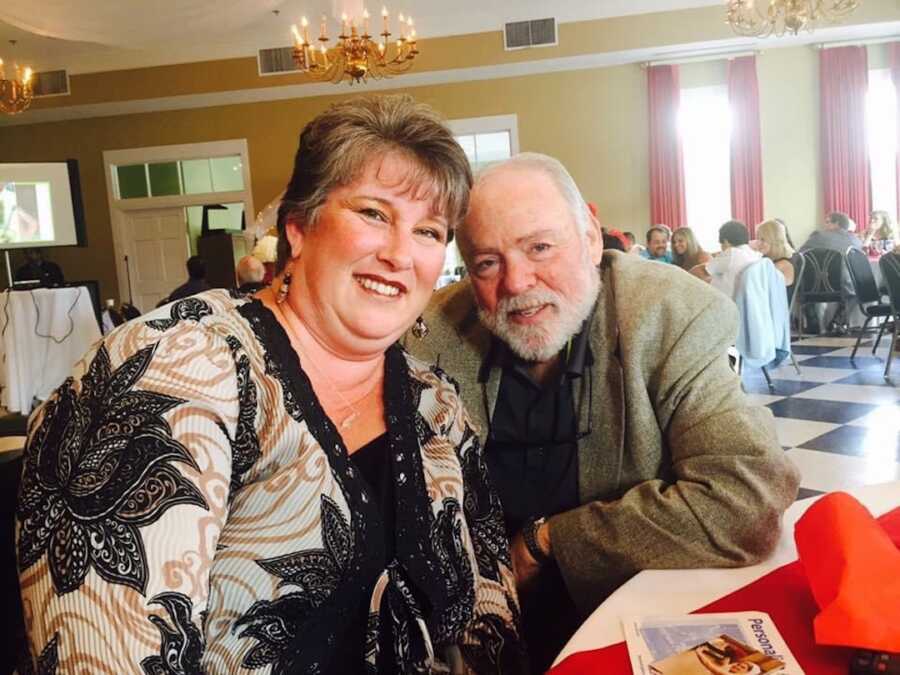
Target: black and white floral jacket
187,507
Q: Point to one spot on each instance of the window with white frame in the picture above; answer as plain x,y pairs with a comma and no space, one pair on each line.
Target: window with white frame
881,130
704,122
485,140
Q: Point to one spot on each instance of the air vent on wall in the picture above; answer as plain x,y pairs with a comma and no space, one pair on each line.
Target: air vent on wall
50,83
537,33
276,60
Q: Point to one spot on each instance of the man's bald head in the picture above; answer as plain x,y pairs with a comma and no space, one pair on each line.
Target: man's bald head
250,270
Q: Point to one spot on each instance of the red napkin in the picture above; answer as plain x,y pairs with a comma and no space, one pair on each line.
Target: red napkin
853,569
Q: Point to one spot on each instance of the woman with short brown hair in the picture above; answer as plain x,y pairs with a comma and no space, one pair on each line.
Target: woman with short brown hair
270,483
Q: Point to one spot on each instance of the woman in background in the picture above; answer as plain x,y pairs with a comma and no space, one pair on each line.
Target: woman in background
773,243
686,251
882,232
269,483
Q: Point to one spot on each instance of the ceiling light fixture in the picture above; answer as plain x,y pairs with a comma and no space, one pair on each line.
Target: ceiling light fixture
356,56
762,18
16,92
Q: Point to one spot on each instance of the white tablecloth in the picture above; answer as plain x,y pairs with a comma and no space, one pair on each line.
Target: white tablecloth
674,592
45,332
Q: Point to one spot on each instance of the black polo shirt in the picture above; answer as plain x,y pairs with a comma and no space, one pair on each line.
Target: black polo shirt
532,448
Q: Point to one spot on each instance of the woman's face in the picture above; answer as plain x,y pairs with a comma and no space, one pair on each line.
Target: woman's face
679,245
763,245
875,221
367,268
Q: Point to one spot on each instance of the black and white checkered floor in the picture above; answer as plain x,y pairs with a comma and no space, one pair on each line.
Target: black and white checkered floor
838,420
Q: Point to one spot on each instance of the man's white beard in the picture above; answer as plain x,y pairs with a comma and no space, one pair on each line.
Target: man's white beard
543,341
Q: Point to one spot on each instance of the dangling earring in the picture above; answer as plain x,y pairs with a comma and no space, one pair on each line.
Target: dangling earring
282,292
420,328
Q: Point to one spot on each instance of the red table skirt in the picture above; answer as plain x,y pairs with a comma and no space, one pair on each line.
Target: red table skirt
783,594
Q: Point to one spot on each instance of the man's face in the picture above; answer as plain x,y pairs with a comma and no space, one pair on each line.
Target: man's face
533,272
658,244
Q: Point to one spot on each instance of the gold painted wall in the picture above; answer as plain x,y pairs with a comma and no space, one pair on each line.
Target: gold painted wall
594,121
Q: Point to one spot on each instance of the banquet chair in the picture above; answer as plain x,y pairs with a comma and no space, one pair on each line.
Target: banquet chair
890,273
870,301
822,280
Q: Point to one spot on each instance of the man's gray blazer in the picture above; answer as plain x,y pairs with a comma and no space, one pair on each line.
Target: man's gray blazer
679,470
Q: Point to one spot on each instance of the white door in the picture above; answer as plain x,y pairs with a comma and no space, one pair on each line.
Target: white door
156,242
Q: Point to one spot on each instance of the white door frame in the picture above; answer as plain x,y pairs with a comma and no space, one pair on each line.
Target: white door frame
486,125
118,208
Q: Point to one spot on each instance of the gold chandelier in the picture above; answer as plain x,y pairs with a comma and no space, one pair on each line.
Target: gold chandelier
356,56
762,18
15,93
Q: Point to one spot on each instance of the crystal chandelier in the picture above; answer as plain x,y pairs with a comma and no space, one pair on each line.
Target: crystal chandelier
15,93
762,18
357,55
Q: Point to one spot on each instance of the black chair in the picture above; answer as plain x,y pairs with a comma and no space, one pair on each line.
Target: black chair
867,293
890,273
822,280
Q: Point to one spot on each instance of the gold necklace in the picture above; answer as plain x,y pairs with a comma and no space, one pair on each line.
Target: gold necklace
354,415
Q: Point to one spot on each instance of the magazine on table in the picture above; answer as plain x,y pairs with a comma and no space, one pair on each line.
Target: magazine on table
708,644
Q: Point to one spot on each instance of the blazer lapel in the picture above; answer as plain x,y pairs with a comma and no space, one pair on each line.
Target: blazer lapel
600,455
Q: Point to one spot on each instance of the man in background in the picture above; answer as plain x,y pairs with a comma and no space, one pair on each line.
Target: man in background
250,273
657,245
196,282
834,234
36,268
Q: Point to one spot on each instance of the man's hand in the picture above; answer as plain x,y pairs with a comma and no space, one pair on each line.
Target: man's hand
525,567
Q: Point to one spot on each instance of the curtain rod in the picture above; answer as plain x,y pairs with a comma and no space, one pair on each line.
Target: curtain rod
700,57
857,43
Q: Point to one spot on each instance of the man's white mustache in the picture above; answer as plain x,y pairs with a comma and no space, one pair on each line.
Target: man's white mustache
527,300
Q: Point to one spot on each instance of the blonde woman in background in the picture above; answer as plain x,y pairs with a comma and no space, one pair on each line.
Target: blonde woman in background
882,231
773,243
686,252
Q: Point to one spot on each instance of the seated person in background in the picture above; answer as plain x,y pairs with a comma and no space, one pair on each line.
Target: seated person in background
772,243
686,251
631,244
250,273
196,283
723,270
882,232
834,235
271,484
617,436
657,244
36,268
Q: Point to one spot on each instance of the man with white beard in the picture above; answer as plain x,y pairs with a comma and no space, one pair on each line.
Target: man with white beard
615,433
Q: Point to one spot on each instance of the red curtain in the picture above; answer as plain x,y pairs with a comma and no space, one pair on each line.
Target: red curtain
746,147
667,203
844,79
895,76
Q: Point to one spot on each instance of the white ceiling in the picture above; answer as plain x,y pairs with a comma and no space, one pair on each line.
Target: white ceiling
99,35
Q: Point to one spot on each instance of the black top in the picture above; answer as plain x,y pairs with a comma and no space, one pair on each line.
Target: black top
532,447
187,289
373,462
532,458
